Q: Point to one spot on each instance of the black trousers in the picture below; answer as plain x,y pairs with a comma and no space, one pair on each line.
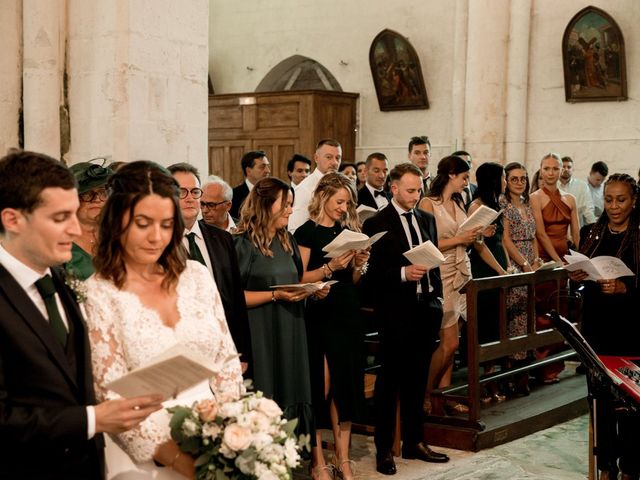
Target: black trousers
407,341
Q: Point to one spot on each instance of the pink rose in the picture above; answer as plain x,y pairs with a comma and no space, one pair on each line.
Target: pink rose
237,438
207,410
269,408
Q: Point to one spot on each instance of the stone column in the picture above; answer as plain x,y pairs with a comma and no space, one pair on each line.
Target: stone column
138,80
10,72
459,74
486,72
517,82
41,74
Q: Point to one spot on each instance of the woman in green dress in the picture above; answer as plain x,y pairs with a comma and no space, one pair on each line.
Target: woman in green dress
92,180
268,256
334,326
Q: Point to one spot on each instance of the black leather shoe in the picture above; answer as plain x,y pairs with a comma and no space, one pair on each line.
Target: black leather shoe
385,464
424,453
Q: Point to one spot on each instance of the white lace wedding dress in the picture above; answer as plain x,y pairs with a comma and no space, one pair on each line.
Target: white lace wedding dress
125,334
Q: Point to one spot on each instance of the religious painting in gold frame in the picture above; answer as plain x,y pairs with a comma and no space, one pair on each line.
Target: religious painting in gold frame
396,72
594,58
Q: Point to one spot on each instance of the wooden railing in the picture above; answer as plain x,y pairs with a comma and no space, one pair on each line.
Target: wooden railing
504,346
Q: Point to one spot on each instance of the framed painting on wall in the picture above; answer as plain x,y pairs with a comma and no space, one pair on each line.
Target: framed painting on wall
396,72
594,58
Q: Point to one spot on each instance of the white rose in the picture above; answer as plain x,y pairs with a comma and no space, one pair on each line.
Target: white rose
268,475
230,409
237,438
189,427
261,440
269,408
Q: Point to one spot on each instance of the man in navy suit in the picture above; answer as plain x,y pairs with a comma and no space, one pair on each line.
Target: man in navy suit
408,305
50,425
214,248
255,166
376,170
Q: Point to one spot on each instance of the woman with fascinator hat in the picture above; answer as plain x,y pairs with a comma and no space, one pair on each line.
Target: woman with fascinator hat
92,193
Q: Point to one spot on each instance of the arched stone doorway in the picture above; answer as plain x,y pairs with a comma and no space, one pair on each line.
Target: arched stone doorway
298,73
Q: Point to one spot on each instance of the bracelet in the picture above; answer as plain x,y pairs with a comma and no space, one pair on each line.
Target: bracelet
174,459
273,296
326,267
329,267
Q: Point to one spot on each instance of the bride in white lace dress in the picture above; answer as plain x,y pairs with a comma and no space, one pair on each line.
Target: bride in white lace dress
144,298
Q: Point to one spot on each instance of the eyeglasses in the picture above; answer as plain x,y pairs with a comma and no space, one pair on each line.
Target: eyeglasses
518,180
212,205
90,196
195,192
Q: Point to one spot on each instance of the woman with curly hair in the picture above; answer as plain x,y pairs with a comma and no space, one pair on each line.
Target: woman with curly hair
267,256
334,325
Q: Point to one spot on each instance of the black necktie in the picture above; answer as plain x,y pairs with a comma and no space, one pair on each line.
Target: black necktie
415,241
47,291
377,193
467,195
194,250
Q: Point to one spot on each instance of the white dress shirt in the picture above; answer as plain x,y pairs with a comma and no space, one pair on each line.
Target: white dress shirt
200,242
584,203
249,184
381,200
405,226
597,196
27,278
303,196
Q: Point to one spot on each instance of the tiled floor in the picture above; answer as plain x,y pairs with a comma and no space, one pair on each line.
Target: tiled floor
558,453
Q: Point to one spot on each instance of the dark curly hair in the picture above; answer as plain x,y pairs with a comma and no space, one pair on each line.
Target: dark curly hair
128,186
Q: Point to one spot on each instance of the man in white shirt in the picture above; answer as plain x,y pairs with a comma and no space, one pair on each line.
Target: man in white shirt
47,398
298,168
327,157
216,203
377,170
595,182
579,190
255,167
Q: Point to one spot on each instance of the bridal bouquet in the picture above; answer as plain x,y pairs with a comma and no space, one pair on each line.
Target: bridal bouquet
243,439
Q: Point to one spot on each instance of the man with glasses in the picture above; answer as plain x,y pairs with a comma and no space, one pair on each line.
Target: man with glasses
255,167
214,248
216,203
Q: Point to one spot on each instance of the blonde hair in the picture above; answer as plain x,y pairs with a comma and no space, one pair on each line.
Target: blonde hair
328,186
256,218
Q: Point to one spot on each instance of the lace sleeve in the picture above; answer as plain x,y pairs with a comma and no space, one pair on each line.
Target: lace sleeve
104,317
228,382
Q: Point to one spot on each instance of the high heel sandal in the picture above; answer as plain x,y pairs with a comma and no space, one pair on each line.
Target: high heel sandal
316,472
455,408
340,473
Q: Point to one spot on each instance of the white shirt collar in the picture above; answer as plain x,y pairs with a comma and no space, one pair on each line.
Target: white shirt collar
398,208
195,229
248,183
24,275
371,189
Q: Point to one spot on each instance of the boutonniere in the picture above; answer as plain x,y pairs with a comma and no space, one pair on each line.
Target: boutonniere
76,285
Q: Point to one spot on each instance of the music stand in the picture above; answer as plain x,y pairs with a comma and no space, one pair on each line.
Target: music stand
601,383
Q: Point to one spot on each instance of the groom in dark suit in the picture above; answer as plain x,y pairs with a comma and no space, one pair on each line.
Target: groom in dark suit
50,426
408,304
373,194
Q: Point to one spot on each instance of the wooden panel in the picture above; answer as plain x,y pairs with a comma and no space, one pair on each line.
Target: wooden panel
278,115
224,160
225,117
281,123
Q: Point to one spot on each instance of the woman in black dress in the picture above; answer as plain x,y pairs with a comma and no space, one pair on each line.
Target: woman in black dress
334,327
610,314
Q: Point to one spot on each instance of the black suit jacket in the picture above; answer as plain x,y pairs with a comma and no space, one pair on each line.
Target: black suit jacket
224,262
240,193
365,198
43,398
391,296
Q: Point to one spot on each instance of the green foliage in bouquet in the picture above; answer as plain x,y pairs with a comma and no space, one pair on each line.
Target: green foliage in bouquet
239,439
